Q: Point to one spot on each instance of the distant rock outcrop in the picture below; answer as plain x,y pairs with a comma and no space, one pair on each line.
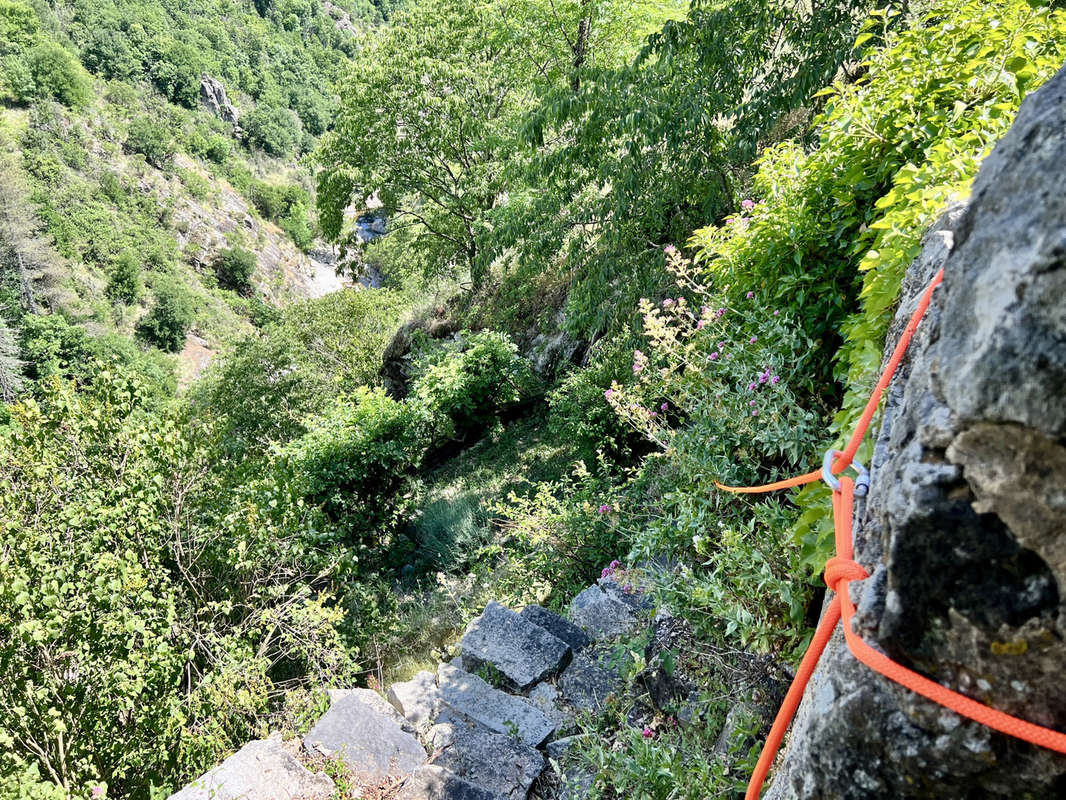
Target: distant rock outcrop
213,95
964,531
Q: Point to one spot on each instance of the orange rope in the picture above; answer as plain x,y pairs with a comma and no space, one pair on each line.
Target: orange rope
841,569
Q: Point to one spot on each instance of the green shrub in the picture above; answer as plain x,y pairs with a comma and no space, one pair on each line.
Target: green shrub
271,382
835,228
124,282
176,70
287,205
58,74
170,317
235,267
465,390
579,411
272,129
356,457
150,140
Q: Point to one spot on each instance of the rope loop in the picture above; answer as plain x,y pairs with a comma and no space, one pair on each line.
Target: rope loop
841,570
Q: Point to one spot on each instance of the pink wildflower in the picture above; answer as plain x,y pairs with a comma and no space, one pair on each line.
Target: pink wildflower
615,564
98,791
753,340
604,508
664,406
775,379
647,733
714,356
750,295
755,412
668,302
700,324
720,312
747,205
751,386
669,249
608,393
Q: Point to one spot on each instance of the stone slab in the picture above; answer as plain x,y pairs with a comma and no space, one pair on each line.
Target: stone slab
373,745
436,783
261,770
418,700
496,710
546,697
557,626
524,653
491,760
374,700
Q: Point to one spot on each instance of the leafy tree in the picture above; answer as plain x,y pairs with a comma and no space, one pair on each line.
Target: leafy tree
170,318
273,381
433,148
272,129
176,70
58,74
235,267
150,140
124,282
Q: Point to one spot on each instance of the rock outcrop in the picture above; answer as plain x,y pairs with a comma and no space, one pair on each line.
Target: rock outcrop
451,735
964,530
213,96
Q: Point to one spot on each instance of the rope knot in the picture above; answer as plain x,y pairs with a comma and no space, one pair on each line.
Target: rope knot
839,570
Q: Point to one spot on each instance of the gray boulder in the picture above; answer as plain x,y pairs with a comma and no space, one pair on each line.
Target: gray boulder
546,697
496,710
523,652
436,783
963,529
557,627
491,760
262,770
372,743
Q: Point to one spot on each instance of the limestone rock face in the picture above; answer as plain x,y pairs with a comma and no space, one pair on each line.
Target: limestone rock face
213,95
963,531
523,652
372,743
602,614
262,770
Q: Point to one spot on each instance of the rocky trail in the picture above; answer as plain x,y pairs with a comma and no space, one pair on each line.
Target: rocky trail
484,726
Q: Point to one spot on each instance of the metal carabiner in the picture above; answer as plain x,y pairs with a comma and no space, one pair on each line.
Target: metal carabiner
862,480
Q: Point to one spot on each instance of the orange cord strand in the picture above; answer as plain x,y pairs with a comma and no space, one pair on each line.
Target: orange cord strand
842,569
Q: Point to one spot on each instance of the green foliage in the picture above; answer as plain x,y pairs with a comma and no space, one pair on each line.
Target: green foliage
287,205
271,129
169,318
465,390
355,458
320,349
433,149
137,587
235,267
579,411
837,227
124,282
57,74
151,140
175,69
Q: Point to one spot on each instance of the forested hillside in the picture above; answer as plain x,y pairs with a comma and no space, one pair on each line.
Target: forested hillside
626,250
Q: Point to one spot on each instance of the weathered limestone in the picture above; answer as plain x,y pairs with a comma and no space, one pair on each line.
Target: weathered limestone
493,761
557,627
496,710
963,530
213,95
375,701
436,783
372,743
587,683
546,697
602,615
261,770
523,652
